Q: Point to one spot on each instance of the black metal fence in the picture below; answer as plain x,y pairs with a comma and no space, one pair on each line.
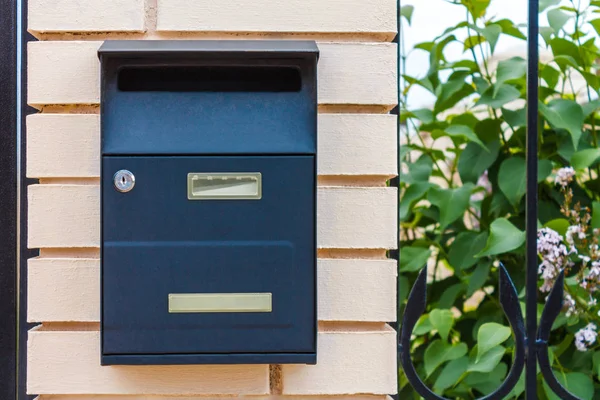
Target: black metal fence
531,338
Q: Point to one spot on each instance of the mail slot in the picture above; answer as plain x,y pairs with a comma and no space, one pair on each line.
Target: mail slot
208,202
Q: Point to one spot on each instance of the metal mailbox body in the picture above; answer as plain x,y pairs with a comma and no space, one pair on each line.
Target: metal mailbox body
208,192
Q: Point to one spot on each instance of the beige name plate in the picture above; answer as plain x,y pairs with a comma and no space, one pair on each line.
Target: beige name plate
224,186
220,302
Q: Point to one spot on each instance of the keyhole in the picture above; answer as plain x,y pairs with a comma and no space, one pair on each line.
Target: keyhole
124,181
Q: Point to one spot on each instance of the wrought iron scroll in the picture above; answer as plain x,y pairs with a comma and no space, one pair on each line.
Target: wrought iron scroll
415,307
554,304
531,343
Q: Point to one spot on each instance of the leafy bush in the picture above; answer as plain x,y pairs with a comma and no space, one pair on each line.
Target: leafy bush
463,192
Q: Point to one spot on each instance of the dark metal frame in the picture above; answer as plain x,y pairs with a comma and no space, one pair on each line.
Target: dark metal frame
13,200
531,340
8,200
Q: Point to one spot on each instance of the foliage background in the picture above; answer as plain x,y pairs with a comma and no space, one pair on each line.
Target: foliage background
463,188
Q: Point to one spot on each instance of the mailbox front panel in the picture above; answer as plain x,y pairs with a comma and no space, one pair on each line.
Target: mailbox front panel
224,272
208,181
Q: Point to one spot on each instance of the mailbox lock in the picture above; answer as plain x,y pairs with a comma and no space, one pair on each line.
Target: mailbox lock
124,181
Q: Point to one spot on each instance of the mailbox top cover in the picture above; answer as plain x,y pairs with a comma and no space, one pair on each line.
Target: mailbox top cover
179,97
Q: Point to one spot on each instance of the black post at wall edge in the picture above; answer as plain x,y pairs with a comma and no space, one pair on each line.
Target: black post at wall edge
8,200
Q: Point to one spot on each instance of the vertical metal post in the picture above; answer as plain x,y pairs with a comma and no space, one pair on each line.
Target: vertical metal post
531,206
8,200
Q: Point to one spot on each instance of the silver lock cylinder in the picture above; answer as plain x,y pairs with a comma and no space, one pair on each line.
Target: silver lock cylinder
124,180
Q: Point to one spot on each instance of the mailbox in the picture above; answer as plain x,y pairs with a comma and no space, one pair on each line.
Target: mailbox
208,202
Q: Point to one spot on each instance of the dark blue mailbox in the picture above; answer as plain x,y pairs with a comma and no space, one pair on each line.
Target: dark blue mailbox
208,202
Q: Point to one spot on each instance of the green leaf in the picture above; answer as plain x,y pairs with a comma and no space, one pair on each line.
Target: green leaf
464,248
422,326
453,85
565,114
564,47
481,84
491,33
413,258
544,4
474,160
473,41
477,8
488,130
589,108
585,158
404,151
413,193
442,321
452,203
434,356
420,170
489,336
591,79
465,132
580,384
451,374
546,33
550,75
403,289
512,179
595,223
557,19
544,169
508,70
448,298
596,25
504,237
407,12
515,118
424,115
559,225
487,383
596,363
488,360
564,62
497,98
509,28
449,100
479,276
439,352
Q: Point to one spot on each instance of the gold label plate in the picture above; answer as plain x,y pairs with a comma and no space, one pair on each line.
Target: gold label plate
220,302
224,186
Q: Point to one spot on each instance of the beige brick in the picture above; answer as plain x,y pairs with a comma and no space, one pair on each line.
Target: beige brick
273,397
63,216
63,145
357,290
63,290
69,363
357,218
360,144
356,16
347,363
63,73
68,145
349,73
68,289
66,216
85,15
361,73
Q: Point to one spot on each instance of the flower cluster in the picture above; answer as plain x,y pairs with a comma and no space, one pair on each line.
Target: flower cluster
553,254
564,176
586,337
578,254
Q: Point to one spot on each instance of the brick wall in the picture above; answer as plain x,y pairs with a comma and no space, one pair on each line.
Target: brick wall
356,211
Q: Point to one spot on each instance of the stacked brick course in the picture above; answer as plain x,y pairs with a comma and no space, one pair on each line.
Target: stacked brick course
356,211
